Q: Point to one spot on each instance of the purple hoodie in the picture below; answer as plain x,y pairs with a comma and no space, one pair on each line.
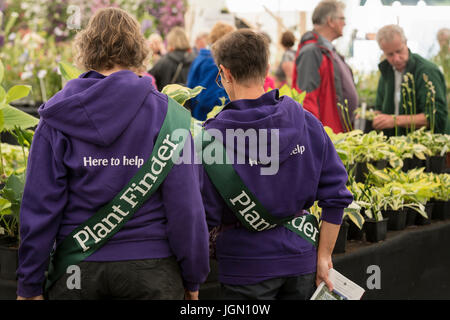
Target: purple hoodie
98,117
309,170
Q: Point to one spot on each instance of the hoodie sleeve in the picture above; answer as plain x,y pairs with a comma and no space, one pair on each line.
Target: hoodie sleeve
43,201
186,225
332,192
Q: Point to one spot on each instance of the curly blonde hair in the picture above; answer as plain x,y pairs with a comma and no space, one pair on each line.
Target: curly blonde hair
112,38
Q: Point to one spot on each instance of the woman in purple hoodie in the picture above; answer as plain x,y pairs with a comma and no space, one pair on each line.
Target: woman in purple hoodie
262,255
94,136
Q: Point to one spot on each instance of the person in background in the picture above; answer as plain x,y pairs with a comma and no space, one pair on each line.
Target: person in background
274,263
442,59
157,47
109,113
322,72
174,66
283,74
201,41
399,61
203,73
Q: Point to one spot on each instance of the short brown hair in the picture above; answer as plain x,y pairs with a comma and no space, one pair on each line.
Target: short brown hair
219,30
325,9
112,38
245,53
287,39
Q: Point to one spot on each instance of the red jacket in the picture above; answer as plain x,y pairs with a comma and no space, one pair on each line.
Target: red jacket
314,72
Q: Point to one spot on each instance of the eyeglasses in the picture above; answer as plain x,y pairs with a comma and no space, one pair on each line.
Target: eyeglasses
219,79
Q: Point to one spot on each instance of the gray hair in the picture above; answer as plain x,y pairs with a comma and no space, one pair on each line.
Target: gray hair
443,33
387,33
326,9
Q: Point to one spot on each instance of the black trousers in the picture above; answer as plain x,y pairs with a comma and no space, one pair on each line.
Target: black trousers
286,288
150,279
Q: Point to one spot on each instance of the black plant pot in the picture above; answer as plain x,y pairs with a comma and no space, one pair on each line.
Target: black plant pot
8,259
368,126
379,164
435,164
361,171
441,210
355,233
375,230
397,219
341,240
421,220
412,163
411,217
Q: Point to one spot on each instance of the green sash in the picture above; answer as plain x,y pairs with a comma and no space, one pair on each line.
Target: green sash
97,230
247,208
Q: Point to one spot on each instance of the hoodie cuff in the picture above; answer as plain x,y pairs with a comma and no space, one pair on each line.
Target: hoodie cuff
191,286
29,290
332,215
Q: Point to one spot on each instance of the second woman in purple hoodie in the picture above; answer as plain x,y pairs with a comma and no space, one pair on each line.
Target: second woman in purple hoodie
92,138
286,174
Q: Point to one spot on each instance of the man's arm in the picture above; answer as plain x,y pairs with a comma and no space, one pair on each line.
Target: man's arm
387,121
328,235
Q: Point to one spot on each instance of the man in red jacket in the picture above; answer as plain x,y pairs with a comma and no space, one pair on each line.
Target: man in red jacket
322,72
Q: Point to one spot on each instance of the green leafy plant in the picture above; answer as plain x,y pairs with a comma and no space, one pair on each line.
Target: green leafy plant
68,71
352,212
345,115
14,121
430,103
180,93
410,189
408,89
285,90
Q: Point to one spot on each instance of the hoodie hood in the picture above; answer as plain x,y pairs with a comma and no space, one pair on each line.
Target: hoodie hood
266,112
95,108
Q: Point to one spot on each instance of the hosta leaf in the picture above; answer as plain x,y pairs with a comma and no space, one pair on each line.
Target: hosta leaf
17,92
14,117
68,71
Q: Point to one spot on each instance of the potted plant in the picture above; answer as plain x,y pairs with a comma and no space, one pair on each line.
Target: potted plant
376,226
394,208
439,145
356,221
370,198
441,197
12,174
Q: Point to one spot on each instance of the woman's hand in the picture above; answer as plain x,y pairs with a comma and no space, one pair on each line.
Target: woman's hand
324,264
190,295
41,297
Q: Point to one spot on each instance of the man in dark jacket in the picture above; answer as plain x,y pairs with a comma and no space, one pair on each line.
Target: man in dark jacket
322,72
403,68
